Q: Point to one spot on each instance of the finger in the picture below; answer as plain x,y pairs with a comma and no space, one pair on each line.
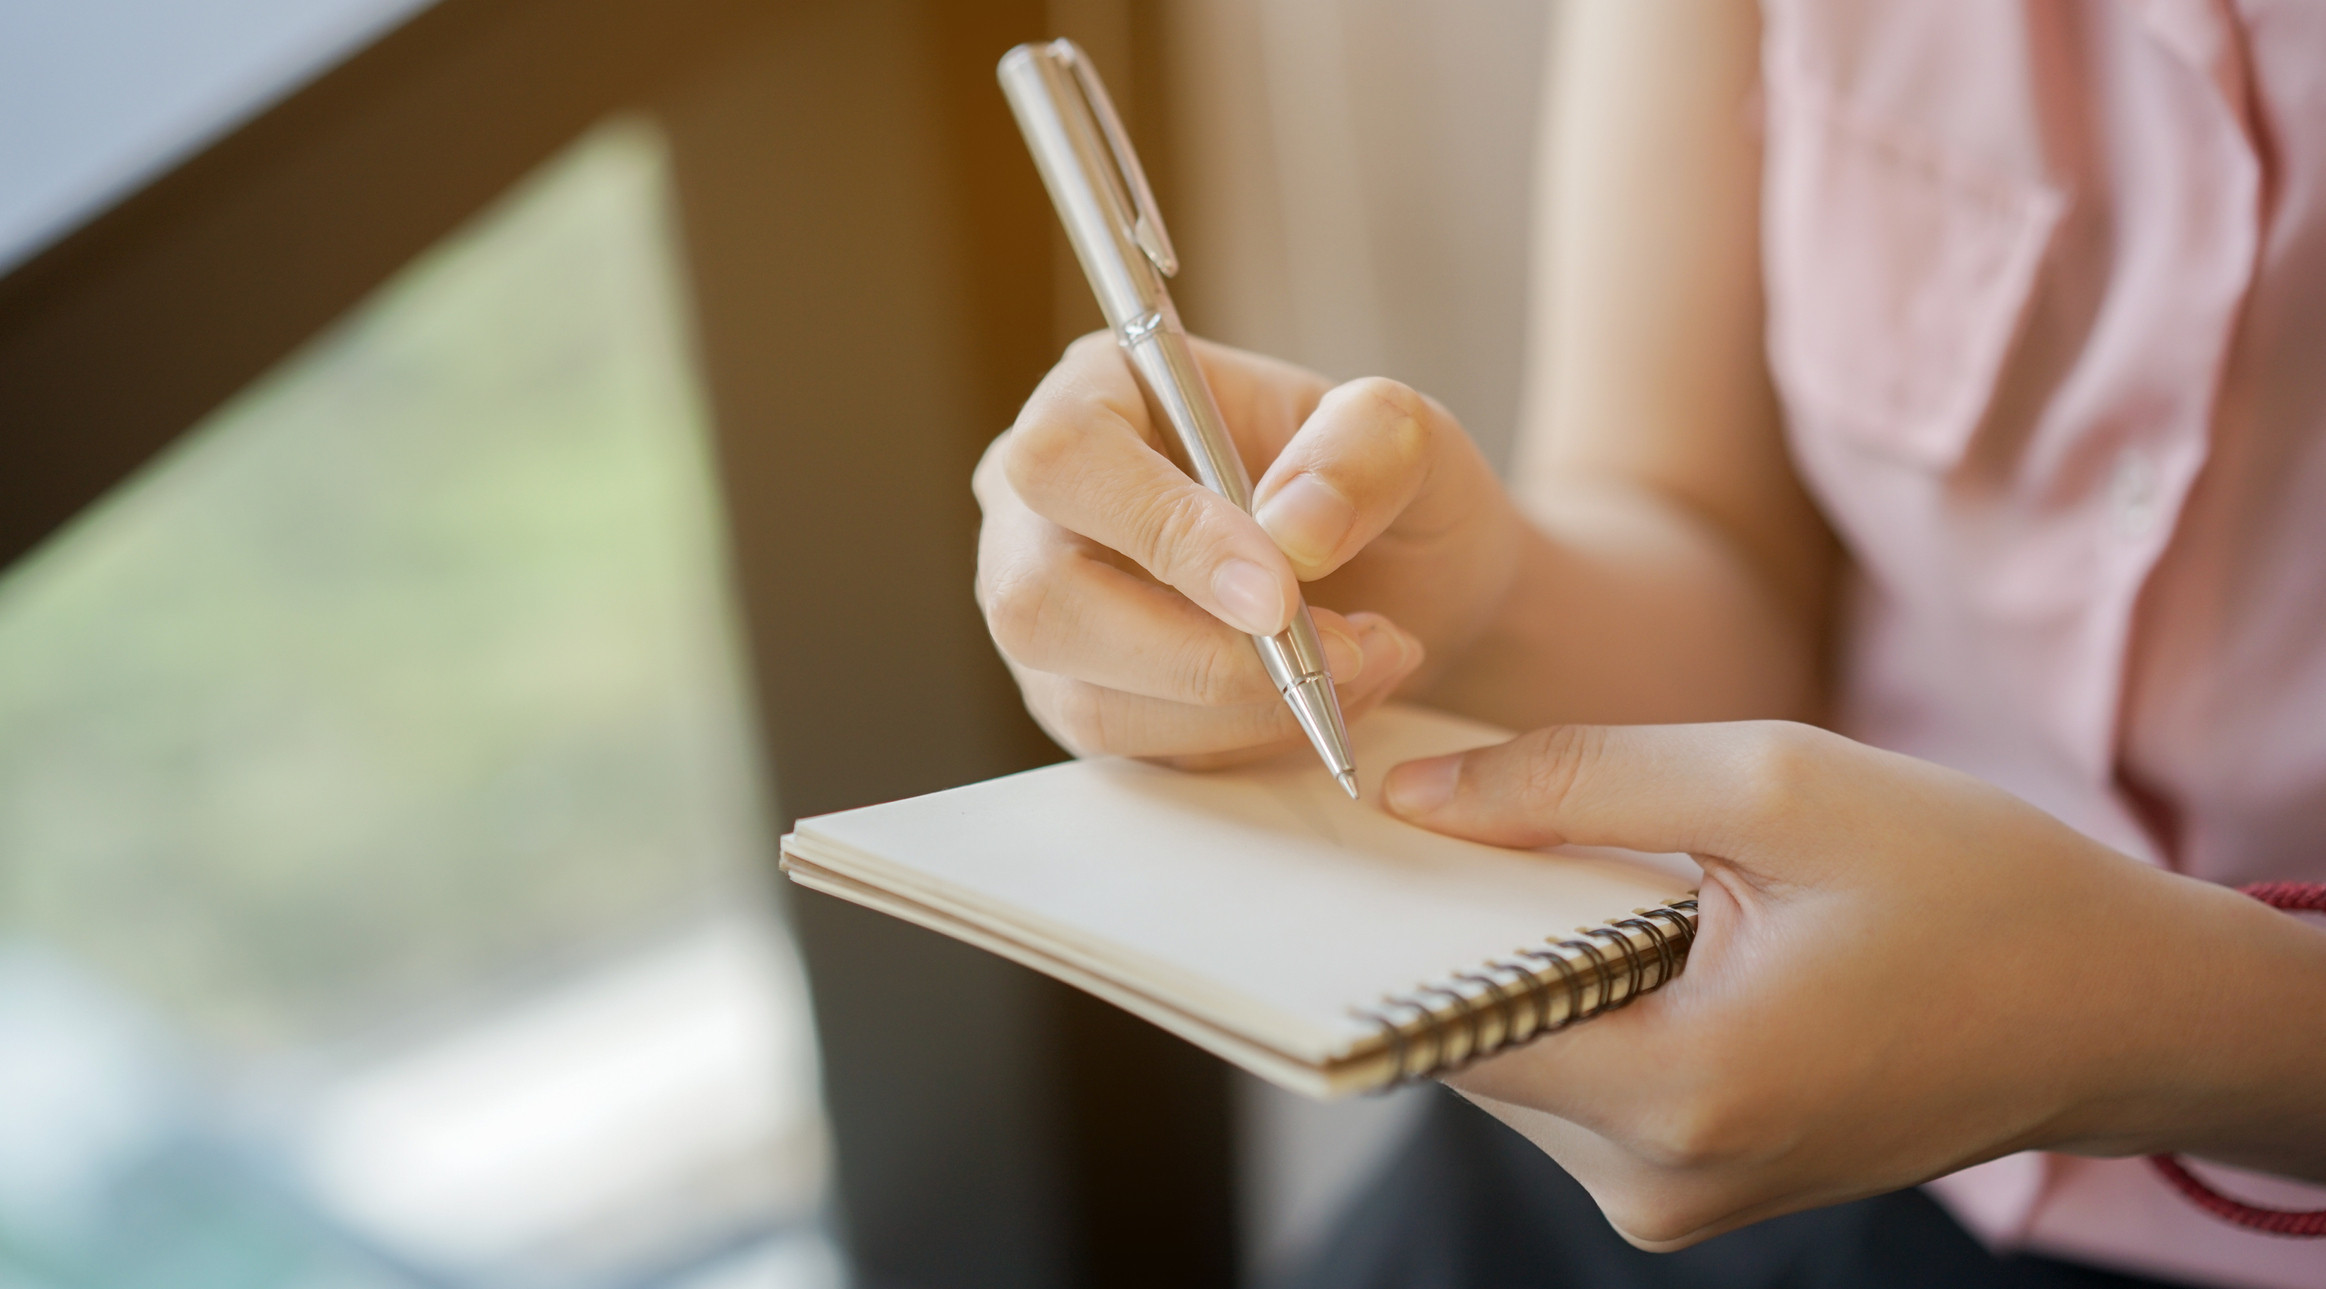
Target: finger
1352,470
1727,790
1092,720
1056,602
1056,608
1391,658
1078,457
1263,400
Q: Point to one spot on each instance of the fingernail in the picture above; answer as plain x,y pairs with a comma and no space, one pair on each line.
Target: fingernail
1408,649
1250,595
1419,787
1344,656
1309,518
1386,644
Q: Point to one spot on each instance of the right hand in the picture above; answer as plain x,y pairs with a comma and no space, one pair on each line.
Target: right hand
1123,594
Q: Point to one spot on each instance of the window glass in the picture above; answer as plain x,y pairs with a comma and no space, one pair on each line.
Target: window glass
383,891
99,96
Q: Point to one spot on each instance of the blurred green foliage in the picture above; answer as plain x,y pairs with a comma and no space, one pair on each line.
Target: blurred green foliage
410,668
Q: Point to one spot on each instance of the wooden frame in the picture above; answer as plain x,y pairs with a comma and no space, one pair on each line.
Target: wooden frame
871,265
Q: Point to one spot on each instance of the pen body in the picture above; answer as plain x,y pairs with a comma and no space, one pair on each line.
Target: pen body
1077,163
1177,392
1103,203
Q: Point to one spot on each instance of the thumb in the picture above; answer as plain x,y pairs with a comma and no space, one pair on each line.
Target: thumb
1714,790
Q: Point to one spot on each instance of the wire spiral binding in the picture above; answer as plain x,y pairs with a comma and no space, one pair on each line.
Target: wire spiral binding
1535,990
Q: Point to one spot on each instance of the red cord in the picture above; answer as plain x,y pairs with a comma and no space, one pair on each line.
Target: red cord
2308,897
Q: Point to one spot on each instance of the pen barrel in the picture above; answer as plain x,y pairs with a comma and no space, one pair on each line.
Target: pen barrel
1071,153
1176,390
1085,161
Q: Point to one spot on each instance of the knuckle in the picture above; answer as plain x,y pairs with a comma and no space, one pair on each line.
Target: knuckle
1015,605
1077,718
1168,535
1082,348
1698,1133
1213,677
988,474
1560,761
1042,446
1406,411
1780,765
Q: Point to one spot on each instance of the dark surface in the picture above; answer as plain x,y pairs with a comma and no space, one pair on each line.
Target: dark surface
1469,1204
1151,1147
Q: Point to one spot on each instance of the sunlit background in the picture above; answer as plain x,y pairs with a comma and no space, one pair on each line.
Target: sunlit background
384,897
386,887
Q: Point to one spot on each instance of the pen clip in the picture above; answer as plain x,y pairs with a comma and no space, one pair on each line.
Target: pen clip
1145,222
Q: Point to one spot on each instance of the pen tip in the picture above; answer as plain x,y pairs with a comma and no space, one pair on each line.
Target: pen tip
1348,782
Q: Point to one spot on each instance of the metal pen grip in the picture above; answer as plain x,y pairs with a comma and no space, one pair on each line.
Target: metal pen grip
1175,387
1176,391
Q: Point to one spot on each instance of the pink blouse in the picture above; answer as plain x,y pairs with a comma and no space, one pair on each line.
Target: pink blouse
2047,312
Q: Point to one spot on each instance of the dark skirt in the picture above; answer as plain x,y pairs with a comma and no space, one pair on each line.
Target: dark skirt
1466,1203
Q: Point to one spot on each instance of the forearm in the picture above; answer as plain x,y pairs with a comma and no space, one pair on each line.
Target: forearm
1675,571
2222,1048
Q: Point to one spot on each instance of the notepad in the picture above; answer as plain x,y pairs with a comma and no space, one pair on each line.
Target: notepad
1318,942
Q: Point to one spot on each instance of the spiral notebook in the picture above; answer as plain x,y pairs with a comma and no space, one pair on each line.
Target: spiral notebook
1318,942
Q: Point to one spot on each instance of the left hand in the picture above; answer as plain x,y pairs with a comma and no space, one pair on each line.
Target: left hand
1901,971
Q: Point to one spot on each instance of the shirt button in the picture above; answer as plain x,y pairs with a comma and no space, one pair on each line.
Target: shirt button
2132,494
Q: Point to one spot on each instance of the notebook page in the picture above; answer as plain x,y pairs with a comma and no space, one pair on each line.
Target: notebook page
1260,897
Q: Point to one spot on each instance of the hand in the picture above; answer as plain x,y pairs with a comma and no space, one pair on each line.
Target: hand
1122,593
1901,971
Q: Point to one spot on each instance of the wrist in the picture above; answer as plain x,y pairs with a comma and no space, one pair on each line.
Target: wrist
1618,607
2221,1049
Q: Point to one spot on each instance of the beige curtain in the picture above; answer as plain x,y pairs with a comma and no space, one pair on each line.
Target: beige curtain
1352,186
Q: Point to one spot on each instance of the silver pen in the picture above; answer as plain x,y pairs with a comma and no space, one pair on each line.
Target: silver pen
1102,197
